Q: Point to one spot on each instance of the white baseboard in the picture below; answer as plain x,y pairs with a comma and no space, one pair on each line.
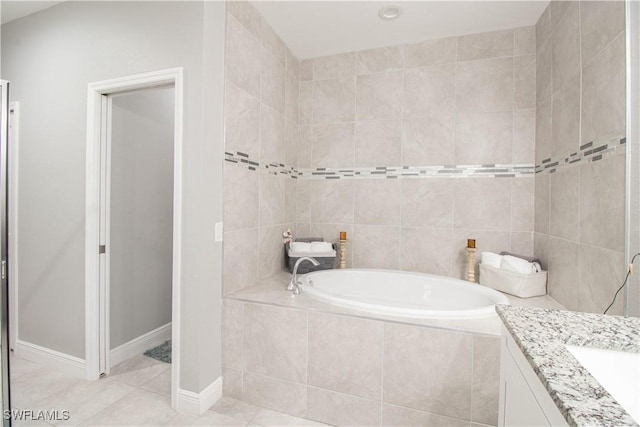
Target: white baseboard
139,345
199,403
51,358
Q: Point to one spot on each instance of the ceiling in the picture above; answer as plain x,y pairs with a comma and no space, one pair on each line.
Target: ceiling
317,28
12,10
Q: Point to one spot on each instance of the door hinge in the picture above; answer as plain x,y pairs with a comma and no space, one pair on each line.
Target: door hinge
102,249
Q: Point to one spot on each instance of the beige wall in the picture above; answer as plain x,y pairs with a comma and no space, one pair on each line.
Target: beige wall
261,110
456,101
580,214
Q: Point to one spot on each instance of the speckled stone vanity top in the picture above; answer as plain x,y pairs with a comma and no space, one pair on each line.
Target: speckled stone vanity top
542,334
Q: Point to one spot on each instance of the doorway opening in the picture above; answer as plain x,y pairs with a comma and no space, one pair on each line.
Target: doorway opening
133,221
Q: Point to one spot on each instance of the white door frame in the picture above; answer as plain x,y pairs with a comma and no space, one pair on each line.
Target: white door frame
14,153
95,96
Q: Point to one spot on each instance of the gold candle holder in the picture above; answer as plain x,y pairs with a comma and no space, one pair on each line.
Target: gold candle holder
343,253
471,265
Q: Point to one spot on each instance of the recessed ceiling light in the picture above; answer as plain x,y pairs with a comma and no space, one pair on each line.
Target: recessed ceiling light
389,13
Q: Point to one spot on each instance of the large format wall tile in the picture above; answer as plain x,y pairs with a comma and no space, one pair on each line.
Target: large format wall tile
379,96
242,122
484,138
377,143
429,140
484,86
345,355
524,137
541,220
601,273
524,40
247,15
601,22
485,45
272,148
275,342
427,203
565,119
273,82
481,203
240,263
333,145
334,66
602,203
564,194
544,143
232,333
426,251
522,204
404,417
272,393
429,91
270,250
334,100
524,72
563,280
341,409
377,201
271,199
332,201
380,59
240,199
243,56
430,52
544,63
566,47
603,93
376,246
442,386
272,42
486,380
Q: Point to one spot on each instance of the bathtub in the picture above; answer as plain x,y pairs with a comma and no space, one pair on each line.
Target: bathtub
402,294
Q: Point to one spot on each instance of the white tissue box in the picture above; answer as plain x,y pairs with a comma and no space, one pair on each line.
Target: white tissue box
520,285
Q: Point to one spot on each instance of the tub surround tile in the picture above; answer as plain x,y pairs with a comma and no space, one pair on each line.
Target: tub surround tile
333,145
243,58
377,142
273,82
376,246
430,52
270,349
486,380
429,140
240,263
427,203
379,96
380,59
405,417
426,251
601,22
566,47
334,100
565,119
524,71
562,278
524,137
485,45
341,409
524,40
491,202
443,386
232,333
247,15
242,121
241,201
483,138
484,86
334,66
345,355
544,63
272,393
377,203
272,42
542,334
429,91
564,204
601,272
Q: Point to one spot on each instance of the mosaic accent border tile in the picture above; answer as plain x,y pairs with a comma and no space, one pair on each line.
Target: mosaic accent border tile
386,172
589,152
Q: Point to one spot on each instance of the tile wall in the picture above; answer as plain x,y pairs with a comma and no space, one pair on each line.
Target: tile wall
458,101
342,370
580,205
261,119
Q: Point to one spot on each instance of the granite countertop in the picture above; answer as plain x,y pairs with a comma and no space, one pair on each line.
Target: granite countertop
542,334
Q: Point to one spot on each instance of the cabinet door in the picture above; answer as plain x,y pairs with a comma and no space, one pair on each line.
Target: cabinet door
520,405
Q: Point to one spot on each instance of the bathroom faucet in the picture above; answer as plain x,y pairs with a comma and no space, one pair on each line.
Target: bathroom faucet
294,284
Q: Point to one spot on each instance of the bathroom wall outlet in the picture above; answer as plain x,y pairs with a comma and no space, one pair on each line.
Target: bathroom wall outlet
218,232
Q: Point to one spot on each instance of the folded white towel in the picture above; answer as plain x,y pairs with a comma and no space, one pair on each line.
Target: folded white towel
321,247
517,265
300,247
491,259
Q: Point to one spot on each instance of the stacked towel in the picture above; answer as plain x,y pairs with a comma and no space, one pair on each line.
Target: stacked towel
510,263
319,249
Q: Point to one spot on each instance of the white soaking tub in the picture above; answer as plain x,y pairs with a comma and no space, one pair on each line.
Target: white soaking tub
402,293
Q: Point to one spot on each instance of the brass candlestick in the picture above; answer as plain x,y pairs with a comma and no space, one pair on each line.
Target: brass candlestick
343,253
471,265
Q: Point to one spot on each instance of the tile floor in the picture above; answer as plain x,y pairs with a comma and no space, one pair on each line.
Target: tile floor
136,393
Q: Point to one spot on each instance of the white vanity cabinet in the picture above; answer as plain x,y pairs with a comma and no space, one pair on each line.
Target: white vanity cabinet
524,401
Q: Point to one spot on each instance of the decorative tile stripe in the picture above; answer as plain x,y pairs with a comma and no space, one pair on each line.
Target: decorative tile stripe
438,171
589,152
386,172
